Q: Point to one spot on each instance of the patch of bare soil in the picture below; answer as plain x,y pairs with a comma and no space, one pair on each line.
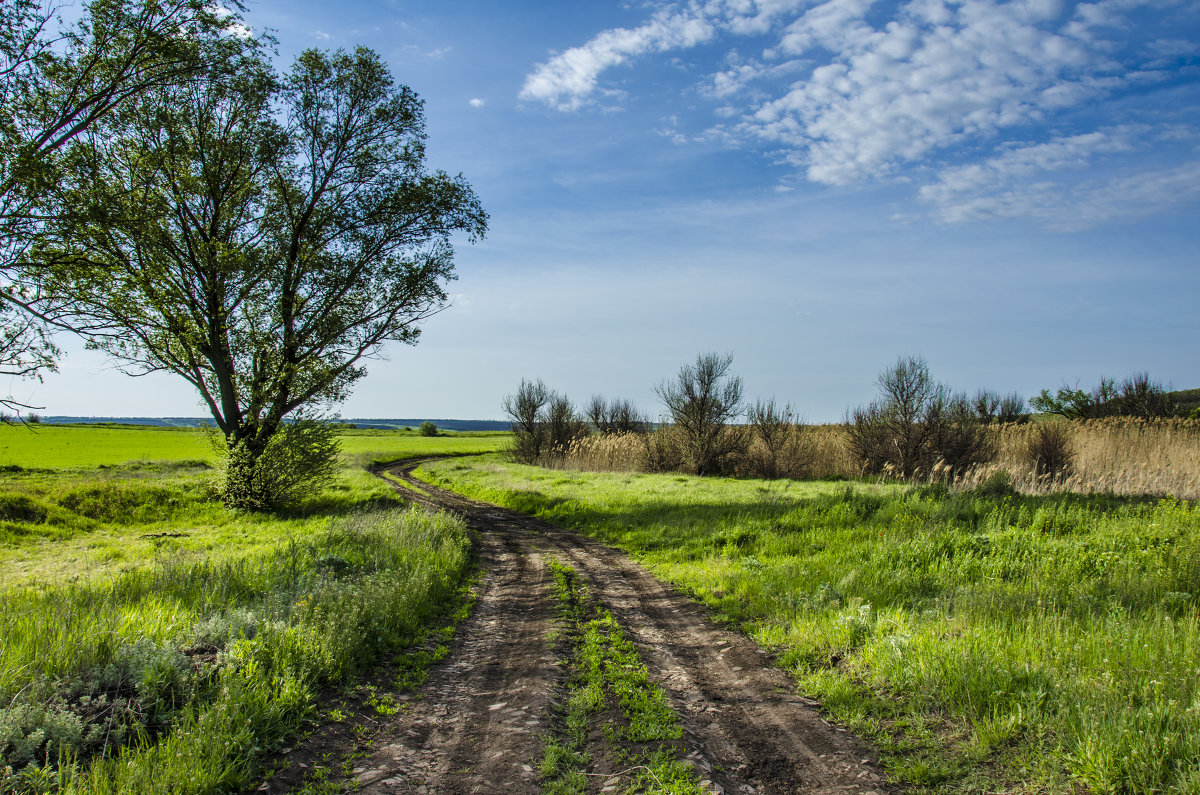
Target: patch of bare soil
476,724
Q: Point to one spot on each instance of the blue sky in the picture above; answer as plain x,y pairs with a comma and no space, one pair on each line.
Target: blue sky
1009,189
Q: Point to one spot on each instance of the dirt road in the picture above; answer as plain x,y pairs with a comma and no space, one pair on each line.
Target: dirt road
478,722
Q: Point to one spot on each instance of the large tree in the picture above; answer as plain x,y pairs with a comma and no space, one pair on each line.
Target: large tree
56,83
260,236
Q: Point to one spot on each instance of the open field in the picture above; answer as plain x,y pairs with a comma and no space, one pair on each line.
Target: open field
985,641
65,446
152,640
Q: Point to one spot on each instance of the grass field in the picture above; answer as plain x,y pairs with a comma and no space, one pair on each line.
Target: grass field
985,641
151,641
60,446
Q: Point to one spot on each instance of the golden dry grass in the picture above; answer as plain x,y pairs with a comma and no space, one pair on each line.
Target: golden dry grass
1114,455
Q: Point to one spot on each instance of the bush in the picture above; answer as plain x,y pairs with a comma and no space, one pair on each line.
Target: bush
524,408
702,401
663,450
1049,452
916,423
299,459
778,449
428,429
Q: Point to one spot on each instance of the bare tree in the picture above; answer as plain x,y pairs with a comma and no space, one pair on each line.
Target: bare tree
1012,408
986,405
525,409
778,450
914,423
702,401
619,416
563,425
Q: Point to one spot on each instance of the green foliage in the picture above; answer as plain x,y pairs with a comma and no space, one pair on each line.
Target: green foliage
984,641
1136,396
428,429
300,458
57,83
258,235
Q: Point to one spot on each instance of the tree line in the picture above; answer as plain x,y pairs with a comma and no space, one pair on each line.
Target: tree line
914,426
170,196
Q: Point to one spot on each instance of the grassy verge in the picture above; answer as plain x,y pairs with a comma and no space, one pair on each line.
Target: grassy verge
609,691
152,641
985,641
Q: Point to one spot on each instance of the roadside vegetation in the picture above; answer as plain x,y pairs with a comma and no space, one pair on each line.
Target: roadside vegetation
1131,438
153,640
984,640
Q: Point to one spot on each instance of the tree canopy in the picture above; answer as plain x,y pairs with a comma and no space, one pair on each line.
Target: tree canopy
259,235
56,83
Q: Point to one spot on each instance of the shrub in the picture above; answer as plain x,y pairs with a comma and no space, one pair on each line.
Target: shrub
916,423
300,459
702,400
779,449
428,429
524,408
1049,452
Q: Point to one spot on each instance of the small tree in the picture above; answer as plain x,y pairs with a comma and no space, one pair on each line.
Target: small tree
619,416
1135,396
702,402
525,410
778,449
916,422
428,428
563,426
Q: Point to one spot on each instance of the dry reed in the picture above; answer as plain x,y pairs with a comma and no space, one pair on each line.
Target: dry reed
1115,455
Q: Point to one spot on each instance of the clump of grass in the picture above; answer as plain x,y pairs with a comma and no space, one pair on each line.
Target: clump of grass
606,674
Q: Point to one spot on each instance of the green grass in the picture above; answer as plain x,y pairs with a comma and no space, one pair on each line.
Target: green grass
985,642
151,641
67,446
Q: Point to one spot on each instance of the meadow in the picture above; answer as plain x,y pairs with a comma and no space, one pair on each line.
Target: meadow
984,640
152,641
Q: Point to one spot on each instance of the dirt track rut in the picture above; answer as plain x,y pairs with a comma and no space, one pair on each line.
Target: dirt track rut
477,725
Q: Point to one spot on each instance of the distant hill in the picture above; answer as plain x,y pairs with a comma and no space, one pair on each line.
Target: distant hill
382,424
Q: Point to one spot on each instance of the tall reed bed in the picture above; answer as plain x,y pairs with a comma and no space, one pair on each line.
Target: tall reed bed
1114,455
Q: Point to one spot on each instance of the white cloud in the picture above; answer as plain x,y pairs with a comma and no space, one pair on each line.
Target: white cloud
567,79
322,35
477,103
1052,182
853,90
